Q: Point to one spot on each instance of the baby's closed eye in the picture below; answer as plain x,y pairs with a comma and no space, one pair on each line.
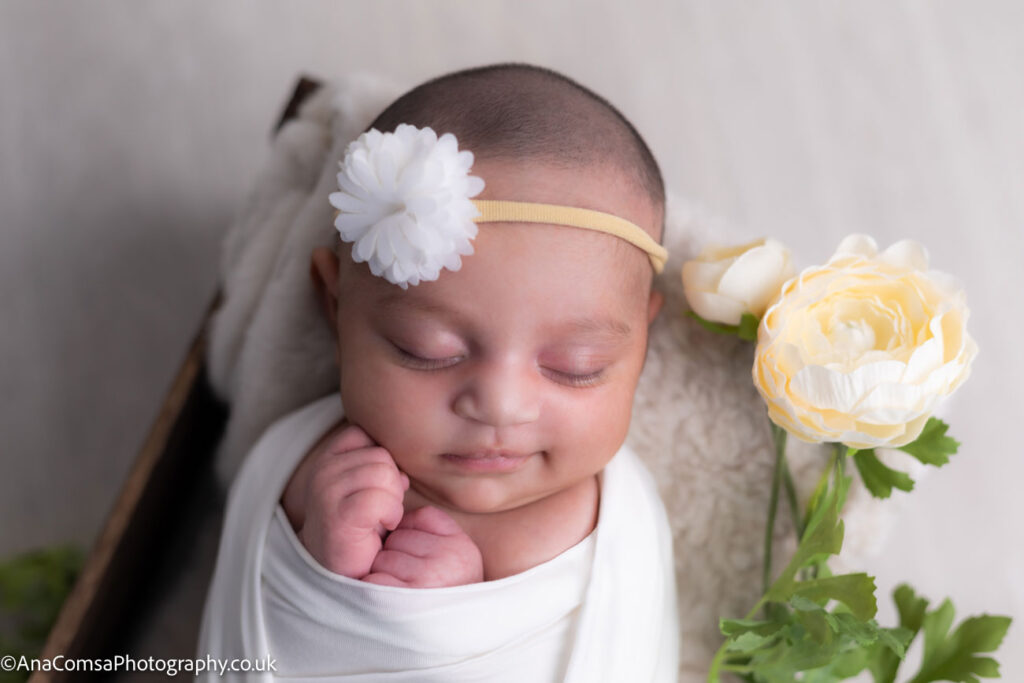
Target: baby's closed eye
581,370
426,361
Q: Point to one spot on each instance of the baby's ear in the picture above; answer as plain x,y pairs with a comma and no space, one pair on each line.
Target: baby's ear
323,270
654,305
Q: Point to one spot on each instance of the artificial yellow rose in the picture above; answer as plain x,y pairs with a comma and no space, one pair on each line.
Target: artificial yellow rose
723,283
860,350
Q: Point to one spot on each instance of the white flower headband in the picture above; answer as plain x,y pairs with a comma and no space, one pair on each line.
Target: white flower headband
404,202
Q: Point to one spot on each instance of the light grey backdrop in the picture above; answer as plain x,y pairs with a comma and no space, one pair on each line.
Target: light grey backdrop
130,132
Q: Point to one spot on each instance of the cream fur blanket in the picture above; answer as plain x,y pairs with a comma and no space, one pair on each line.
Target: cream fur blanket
698,423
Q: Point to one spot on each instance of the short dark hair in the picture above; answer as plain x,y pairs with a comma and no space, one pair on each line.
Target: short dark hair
520,111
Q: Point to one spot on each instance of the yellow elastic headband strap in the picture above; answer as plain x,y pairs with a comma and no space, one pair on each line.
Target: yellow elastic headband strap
528,212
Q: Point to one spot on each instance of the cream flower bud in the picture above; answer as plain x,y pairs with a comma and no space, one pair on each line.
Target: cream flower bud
860,350
723,283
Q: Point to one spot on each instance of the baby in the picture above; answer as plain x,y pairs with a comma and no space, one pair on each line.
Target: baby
483,407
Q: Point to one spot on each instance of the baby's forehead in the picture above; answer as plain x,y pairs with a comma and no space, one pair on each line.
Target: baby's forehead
577,274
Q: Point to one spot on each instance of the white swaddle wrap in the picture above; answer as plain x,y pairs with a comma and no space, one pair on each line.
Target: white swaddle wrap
603,610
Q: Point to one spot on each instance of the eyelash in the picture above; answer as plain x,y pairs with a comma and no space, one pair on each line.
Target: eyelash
431,364
427,364
579,381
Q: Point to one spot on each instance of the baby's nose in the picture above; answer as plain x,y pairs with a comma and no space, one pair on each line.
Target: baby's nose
500,394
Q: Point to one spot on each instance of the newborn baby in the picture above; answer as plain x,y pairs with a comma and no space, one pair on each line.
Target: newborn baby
482,408
493,395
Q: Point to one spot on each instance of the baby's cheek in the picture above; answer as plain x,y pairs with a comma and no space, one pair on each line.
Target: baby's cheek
369,390
587,427
609,420
397,414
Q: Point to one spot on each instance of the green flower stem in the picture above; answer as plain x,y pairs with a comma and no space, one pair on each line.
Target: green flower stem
835,470
779,437
717,663
794,505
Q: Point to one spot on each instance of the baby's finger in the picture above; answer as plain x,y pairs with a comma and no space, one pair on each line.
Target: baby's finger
431,520
335,466
349,439
345,445
374,475
412,541
382,579
400,565
373,508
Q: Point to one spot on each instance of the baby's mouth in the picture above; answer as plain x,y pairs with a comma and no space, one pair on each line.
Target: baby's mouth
488,460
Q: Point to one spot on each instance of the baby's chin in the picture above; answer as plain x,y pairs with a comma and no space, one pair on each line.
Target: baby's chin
477,494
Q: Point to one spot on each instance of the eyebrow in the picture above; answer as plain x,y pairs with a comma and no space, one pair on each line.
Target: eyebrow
398,302
604,327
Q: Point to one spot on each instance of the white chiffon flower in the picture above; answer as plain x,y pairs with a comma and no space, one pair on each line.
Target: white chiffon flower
404,203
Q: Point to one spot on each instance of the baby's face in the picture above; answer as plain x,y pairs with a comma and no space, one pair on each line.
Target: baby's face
512,378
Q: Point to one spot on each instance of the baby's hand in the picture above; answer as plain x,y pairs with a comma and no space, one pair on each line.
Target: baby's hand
427,550
353,496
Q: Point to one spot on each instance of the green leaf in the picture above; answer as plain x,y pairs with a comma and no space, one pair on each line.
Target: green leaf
818,627
885,662
826,646
982,634
863,632
859,642
33,586
803,604
932,446
953,657
910,606
936,626
731,627
748,642
791,656
746,330
879,479
845,665
747,636
895,640
856,591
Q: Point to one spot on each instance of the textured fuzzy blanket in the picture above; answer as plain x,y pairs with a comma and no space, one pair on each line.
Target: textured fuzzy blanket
698,423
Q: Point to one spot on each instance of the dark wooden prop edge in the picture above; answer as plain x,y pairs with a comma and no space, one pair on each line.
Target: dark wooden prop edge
181,441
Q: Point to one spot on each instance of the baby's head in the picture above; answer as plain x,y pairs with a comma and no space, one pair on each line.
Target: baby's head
512,378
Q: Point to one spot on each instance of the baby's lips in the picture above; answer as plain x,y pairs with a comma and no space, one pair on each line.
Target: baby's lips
405,480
